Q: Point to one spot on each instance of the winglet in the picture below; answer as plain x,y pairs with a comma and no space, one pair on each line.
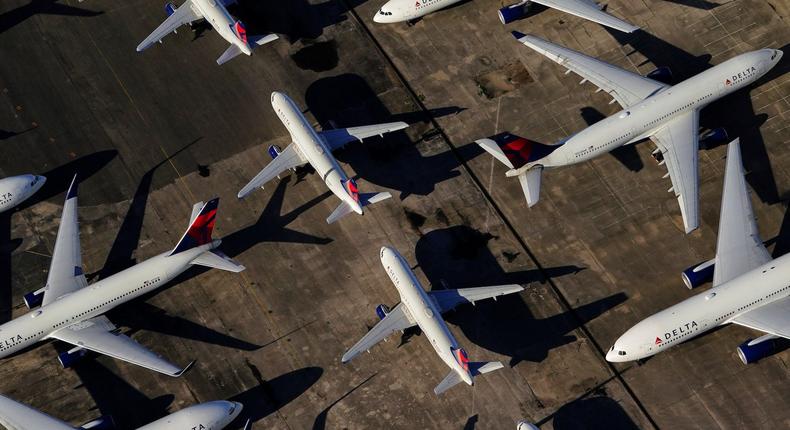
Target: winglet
185,369
518,35
73,188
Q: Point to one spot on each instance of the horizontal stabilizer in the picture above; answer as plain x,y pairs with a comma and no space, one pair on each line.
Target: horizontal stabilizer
452,379
229,54
366,199
342,210
217,260
530,184
262,40
482,367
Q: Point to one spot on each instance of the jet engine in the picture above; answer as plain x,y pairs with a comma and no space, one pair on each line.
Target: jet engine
34,299
71,357
170,8
662,74
710,138
752,351
382,311
514,12
699,274
274,151
102,423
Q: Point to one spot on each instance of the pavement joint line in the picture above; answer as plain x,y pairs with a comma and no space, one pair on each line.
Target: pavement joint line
564,303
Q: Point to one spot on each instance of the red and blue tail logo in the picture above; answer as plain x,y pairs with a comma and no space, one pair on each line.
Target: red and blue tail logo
521,151
199,232
241,31
462,358
351,187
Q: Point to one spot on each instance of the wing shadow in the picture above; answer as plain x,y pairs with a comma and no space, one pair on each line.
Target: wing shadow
394,162
459,257
16,16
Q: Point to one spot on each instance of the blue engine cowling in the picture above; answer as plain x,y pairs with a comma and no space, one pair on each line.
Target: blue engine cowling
102,423
698,274
662,74
274,151
382,311
753,353
68,359
514,12
713,137
170,8
34,299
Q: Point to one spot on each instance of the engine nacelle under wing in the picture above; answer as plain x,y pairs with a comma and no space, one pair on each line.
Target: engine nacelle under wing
753,351
698,274
34,299
71,357
661,74
514,12
102,423
382,311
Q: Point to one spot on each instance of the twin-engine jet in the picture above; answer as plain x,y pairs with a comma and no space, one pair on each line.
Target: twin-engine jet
214,13
749,288
315,147
425,309
668,115
407,10
210,415
73,312
16,189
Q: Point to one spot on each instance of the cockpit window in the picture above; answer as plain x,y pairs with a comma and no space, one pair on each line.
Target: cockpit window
774,55
620,352
231,410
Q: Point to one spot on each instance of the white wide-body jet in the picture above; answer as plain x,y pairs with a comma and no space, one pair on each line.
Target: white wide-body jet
425,309
668,115
73,312
315,147
210,415
749,288
214,12
407,10
16,189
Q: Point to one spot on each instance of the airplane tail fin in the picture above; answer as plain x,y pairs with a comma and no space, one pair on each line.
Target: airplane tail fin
365,199
229,54
517,152
201,226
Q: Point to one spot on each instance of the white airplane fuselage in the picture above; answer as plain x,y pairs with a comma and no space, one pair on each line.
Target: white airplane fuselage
205,416
423,310
16,189
705,311
96,299
313,148
648,116
405,10
215,14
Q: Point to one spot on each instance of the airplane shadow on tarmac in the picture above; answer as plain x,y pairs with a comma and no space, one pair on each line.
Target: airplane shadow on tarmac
593,413
735,112
393,162
458,257
16,16
58,181
130,408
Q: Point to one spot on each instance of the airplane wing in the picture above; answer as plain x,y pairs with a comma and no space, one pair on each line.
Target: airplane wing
288,159
16,416
338,138
397,319
100,335
739,248
183,15
678,142
773,318
626,87
447,300
65,271
589,10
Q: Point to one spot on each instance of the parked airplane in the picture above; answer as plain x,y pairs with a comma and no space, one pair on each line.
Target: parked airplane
209,415
316,148
749,288
424,309
72,312
526,425
407,10
214,12
668,115
16,189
